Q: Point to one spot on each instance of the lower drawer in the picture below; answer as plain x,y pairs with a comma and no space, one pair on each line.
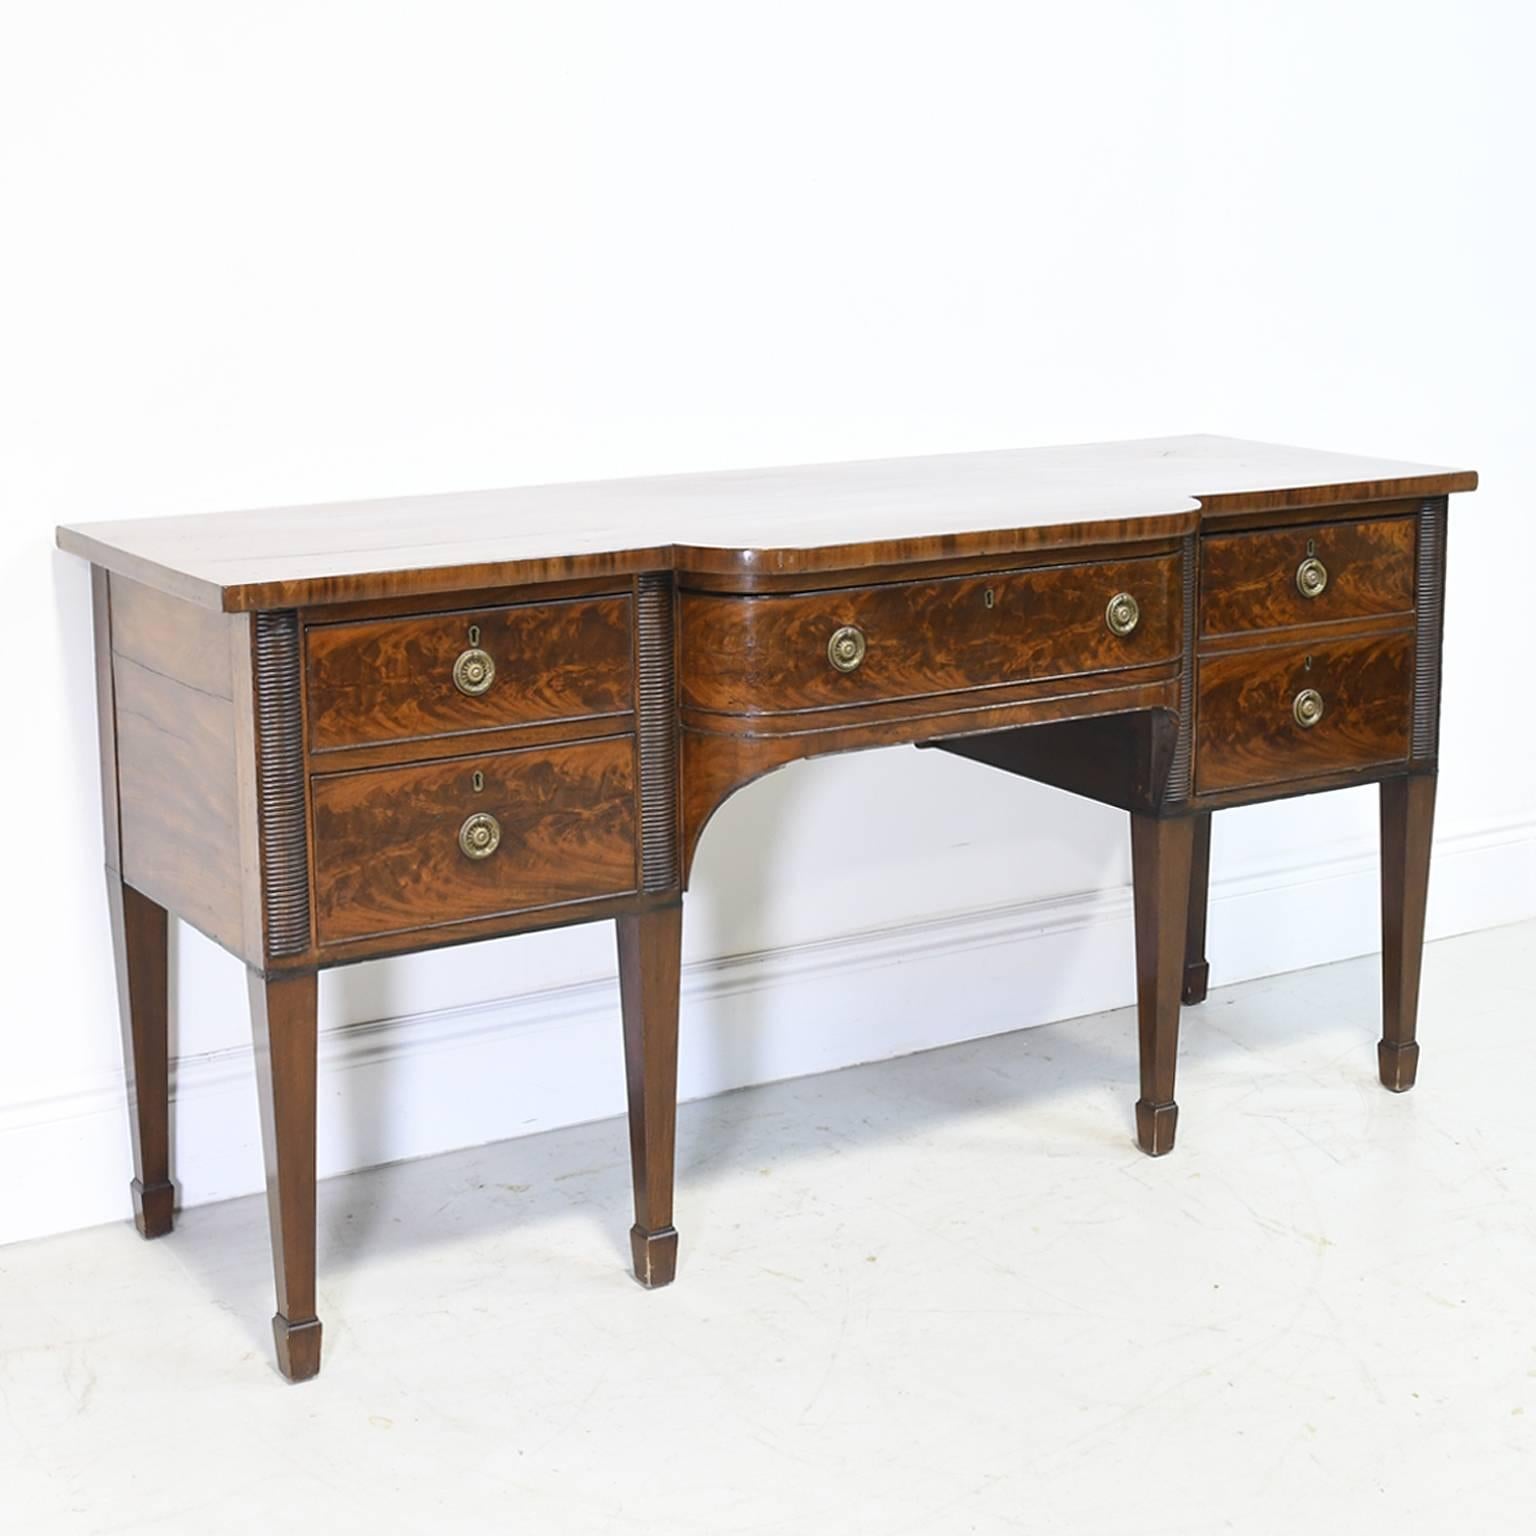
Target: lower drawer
446,842
1295,712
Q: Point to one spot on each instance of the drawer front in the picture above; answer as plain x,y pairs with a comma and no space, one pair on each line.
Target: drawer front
1247,726
388,856
1258,580
382,680
765,655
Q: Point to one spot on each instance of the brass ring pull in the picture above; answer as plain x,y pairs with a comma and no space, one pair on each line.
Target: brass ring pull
480,836
1307,707
846,648
1311,577
1123,614
473,672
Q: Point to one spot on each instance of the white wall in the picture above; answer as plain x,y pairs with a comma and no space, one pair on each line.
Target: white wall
257,253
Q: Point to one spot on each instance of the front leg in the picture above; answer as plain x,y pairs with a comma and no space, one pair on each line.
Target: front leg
1161,849
1407,822
650,975
284,1025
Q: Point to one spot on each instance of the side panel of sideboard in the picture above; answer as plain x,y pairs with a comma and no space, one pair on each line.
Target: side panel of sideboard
177,734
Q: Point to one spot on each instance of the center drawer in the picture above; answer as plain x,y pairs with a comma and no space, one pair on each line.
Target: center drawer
439,674
858,645
481,836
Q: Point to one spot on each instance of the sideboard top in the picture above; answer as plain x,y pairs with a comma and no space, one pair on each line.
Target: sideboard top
785,520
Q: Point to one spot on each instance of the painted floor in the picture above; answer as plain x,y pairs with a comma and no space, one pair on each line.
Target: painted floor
942,1294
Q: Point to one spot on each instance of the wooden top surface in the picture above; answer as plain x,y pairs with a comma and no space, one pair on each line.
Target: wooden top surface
791,520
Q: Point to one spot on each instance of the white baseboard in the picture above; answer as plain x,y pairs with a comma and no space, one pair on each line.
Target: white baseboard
429,1082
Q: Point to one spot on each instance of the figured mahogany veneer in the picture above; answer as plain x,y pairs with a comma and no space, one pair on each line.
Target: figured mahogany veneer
768,655
392,679
1248,580
288,763
387,854
1247,731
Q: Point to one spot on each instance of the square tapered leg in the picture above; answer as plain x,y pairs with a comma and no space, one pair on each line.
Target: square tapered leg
1161,850
284,1026
650,974
1407,824
140,943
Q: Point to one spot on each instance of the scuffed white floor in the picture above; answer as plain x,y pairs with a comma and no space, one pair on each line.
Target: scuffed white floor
938,1295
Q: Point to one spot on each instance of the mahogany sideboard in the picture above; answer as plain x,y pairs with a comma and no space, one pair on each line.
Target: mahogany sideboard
332,733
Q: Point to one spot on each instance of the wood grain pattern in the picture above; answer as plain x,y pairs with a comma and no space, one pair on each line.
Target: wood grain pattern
807,518
1197,970
257,783
1122,760
650,974
1247,734
716,764
184,757
509,738
170,636
178,787
387,856
1407,830
1161,849
757,582
1336,507
389,680
1248,580
284,1027
496,925
106,718
139,944
768,655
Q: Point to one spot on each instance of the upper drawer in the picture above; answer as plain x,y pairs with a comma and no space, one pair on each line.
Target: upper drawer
1306,575
761,655
397,679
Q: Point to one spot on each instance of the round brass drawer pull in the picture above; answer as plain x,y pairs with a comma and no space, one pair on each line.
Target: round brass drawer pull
846,648
480,836
1123,614
473,672
1311,577
1307,707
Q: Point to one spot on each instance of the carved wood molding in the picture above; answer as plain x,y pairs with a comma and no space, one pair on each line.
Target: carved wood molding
1429,608
1181,769
654,607
280,784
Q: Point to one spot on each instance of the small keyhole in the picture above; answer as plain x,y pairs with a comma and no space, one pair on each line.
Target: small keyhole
989,597
1309,664
474,634
478,781
1311,548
